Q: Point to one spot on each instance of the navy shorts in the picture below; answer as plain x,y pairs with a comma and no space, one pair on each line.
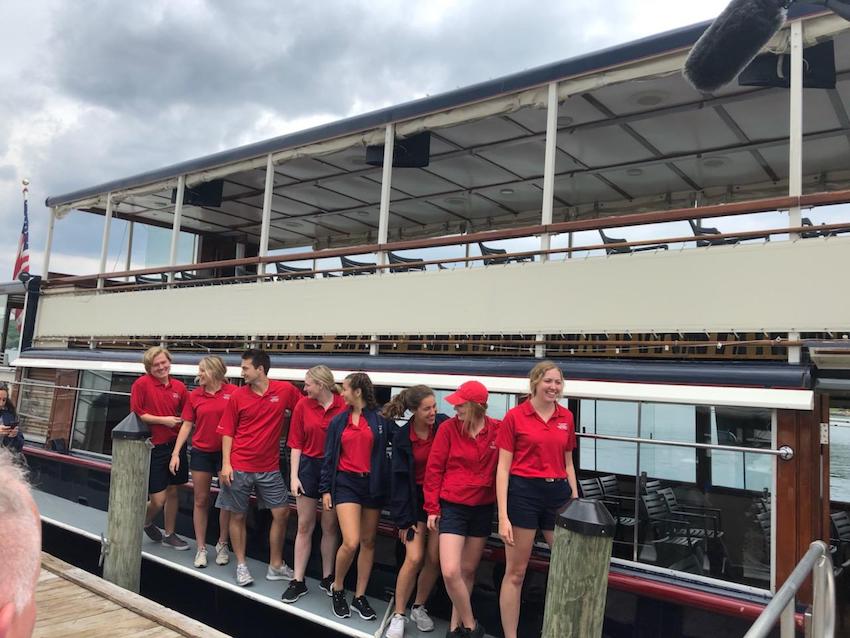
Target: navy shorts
534,503
200,461
309,469
421,514
466,520
160,477
354,488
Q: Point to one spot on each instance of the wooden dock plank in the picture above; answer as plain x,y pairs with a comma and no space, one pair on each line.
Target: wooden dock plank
72,602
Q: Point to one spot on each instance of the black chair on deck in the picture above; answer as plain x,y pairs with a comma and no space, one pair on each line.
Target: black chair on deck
610,485
365,268
675,544
405,264
285,271
187,277
148,280
498,255
704,235
840,538
622,250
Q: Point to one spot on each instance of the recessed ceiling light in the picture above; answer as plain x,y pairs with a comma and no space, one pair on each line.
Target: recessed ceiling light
714,161
292,224
564,120
363,213
457,201
506,191
649,98
634,172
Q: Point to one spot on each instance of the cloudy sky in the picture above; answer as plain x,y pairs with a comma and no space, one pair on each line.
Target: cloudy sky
95,90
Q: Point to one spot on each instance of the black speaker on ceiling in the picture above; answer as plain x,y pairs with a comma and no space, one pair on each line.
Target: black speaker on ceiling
410,152
770,69
203,194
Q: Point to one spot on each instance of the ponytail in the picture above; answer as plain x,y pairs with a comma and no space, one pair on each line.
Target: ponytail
407,399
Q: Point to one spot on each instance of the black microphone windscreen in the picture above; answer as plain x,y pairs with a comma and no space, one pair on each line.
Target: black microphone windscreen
732,41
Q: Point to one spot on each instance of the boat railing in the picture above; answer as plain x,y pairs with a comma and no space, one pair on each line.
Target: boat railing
208,273
817,562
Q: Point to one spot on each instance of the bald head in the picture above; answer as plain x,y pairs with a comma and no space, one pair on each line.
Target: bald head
20,550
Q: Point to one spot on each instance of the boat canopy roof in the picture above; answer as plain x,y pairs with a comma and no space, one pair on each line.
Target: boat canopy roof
632,135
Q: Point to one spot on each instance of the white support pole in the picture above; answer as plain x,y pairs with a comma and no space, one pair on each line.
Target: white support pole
386,185
795,124
104,242
48,244
175,228
549,166
128,261
795,144
267,215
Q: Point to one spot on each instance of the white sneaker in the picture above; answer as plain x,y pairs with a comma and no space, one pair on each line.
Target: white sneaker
284,572
420,616
243,576
222,556
396,628
201,558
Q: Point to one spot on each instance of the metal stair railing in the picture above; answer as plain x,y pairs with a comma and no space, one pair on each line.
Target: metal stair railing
818,562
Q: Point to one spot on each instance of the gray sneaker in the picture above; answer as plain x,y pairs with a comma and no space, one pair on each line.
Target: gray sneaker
284,572
420,616
243,576
175,542
153,533
222,556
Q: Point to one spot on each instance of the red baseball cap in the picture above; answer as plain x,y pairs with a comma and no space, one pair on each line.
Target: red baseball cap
469,391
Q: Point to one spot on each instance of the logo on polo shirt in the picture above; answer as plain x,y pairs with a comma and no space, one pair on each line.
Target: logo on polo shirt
225,396
175,395
563,426
492,445
275,399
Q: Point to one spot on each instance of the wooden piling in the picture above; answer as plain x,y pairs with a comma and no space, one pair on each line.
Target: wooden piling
128,495
578,571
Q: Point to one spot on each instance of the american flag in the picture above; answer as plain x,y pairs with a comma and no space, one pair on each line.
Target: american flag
22,260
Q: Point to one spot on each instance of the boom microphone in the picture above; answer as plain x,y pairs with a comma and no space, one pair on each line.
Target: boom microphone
732,41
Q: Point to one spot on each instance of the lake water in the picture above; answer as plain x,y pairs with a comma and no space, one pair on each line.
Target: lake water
839,459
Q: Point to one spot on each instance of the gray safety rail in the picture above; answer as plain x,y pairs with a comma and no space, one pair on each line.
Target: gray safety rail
818,562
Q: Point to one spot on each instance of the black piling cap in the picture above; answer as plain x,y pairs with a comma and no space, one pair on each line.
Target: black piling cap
588,517
131,428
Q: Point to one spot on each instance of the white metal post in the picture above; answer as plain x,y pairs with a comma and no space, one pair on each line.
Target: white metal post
104,242
549,166
786,621
795,124
175,228
48,244
795,145
267,215
386,185
128,261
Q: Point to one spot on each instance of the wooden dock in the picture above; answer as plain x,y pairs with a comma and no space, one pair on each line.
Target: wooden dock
72,602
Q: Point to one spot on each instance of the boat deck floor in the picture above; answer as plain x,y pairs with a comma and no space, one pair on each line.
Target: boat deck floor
315,606
72,602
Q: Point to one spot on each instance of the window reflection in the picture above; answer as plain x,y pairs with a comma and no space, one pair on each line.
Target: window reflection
102,403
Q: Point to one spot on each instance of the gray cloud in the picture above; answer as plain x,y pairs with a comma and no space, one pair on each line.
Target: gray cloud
100,90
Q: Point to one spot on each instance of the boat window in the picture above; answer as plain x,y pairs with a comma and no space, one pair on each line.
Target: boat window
35,402
103,401
699,511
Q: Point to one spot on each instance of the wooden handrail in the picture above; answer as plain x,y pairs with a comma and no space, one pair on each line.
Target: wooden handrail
636,219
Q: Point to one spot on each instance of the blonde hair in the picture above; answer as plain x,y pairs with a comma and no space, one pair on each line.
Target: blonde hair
474,412
20,529
408,399
322,375
214,365
538,372
153,353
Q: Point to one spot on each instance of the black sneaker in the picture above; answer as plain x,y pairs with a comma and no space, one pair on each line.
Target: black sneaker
296,589
340,605
459,632
153,533
362,607
478,632
326,584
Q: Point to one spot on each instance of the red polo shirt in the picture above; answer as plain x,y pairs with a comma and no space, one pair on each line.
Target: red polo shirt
421,450
355,453
205,410
149,396
255,422
539,447
309,425
460,469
